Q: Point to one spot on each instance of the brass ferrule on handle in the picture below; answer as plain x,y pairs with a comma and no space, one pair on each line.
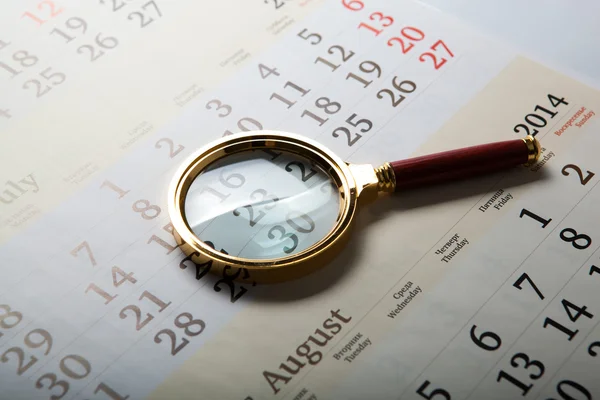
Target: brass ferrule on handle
386,178
534,149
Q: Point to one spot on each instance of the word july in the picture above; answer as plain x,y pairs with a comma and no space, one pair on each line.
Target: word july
14,190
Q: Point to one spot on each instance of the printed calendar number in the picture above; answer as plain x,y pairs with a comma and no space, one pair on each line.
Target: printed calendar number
261,197
185,322
569,390
580,241
45,10
265,71
526,213
488,341
294,88
409,35
380,20
312,38
217,105
163,243
405,87
136,311
583,180
146,15
74,367
246,124
108,391
353,137
574,312
9,318
228,279
439,54
102,43
32,341
353,5
276,3
337,52
434,394
173,151
118,277
366,67
115,5
534,368
326,105
538,119
20,59
49,79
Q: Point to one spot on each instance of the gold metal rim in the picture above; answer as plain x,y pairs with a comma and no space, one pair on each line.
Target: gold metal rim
303,146
533,150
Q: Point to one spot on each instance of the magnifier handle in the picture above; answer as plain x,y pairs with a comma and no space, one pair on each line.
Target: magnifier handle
464,163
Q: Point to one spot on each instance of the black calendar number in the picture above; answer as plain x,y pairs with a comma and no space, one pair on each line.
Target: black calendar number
246,124
190,326
538,118
116,5
525,277
144,16
228,280
325,105
592,349
295,89
579,240
583,180
434,394
405,87
201,268
555,101
522,361
265,71
367,67
276,3
312,38
488,341
526,213
222,110
571,390
353,137
574,312
338,52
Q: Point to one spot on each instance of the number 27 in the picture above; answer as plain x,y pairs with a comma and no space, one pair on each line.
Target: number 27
437,65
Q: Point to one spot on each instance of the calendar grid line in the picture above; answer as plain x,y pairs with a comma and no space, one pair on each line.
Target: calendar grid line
564,362
533,320
493,294
406,273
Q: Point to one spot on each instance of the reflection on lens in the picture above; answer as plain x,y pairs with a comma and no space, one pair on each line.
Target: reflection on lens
262,204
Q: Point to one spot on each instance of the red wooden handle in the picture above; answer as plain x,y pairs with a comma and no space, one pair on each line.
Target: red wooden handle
464,163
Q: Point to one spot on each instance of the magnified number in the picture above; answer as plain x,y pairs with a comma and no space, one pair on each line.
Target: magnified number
279,232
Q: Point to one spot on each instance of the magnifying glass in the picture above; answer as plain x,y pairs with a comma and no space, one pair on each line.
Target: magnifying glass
277,205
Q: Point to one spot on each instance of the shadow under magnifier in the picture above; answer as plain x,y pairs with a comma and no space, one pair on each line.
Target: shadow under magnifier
334,276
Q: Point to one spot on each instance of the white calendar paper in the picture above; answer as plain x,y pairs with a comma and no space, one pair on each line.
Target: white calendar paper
483,289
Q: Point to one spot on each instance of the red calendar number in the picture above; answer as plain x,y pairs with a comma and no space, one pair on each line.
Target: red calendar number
46,10
353,5
439,49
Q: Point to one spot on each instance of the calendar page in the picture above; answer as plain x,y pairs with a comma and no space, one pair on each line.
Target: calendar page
557,33
481,289
82,83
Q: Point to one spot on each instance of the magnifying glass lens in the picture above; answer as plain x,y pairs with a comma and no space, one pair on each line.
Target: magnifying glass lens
263,204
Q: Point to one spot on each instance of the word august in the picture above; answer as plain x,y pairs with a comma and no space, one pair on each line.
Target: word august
320,339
